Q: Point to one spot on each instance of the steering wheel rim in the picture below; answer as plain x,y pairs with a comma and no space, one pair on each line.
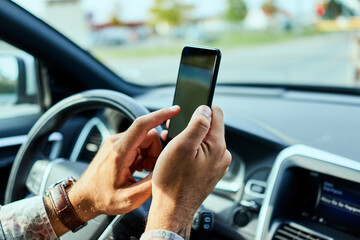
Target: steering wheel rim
52,120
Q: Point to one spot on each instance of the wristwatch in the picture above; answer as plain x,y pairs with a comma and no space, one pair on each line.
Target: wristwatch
62,205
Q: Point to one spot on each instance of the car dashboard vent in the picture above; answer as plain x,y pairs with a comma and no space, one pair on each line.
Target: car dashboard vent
91,145
293,232
89,141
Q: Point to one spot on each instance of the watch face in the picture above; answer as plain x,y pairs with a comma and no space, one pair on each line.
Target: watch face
66,182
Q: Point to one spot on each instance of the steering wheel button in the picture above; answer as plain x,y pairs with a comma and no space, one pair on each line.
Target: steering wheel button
207,219
206,226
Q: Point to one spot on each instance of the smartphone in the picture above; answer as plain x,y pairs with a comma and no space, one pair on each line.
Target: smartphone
195,85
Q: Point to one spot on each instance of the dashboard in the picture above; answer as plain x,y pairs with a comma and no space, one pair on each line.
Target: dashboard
331,201
312,194
280,185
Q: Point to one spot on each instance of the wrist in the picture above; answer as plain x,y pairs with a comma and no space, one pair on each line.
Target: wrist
169,215
67,207
83,206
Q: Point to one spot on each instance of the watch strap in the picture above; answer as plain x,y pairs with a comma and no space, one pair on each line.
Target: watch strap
63,207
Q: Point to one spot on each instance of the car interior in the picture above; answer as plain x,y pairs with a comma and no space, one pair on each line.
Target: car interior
295,170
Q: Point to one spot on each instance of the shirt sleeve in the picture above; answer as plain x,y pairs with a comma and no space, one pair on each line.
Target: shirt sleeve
160,235
25,219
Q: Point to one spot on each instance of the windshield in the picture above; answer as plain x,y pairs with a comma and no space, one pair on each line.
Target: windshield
299,42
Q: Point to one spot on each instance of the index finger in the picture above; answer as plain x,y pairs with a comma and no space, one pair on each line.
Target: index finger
138,130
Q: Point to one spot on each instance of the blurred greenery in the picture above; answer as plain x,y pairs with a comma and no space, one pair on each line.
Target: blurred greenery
239,39
172,12
236,10
174,46
120,52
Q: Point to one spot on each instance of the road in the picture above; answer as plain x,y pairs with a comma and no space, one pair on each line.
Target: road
320,60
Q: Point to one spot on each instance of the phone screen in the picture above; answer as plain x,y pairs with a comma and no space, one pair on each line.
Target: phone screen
195,85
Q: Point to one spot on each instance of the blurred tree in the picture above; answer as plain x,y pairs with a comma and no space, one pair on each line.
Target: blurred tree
269,7
171,12
236,10
333,10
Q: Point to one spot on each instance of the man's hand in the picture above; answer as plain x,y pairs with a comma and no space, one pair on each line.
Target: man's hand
107,186
187,171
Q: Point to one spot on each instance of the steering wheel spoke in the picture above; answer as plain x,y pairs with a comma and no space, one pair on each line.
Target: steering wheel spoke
45,172
35,178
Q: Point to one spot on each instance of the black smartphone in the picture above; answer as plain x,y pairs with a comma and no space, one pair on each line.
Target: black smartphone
195,85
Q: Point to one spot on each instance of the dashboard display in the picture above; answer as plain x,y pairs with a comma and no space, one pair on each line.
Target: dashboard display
337,203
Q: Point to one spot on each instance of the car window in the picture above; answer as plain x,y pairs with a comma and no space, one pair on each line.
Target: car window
296,42
18,88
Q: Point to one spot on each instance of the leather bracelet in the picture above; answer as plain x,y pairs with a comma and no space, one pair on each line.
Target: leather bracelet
62,205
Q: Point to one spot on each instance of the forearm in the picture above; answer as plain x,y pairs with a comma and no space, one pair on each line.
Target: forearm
35,218
26,219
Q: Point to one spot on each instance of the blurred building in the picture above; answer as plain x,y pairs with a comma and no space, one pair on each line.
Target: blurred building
114,22
67,16
284,14
339,15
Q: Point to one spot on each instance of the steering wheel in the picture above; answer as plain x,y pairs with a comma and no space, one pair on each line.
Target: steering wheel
31,173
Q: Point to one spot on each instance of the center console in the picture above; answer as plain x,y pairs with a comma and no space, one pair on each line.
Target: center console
311,194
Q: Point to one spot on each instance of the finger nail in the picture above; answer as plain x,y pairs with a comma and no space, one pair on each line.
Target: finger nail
205,110
173,108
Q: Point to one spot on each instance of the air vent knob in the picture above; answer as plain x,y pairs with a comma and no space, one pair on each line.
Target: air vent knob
242,216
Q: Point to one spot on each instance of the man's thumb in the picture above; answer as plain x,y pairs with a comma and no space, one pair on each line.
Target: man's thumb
198,126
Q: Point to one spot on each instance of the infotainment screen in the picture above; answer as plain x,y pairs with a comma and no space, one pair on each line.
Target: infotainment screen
336,203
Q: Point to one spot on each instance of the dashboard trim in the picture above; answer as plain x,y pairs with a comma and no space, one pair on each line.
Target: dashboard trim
56,139
20,139
295,150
